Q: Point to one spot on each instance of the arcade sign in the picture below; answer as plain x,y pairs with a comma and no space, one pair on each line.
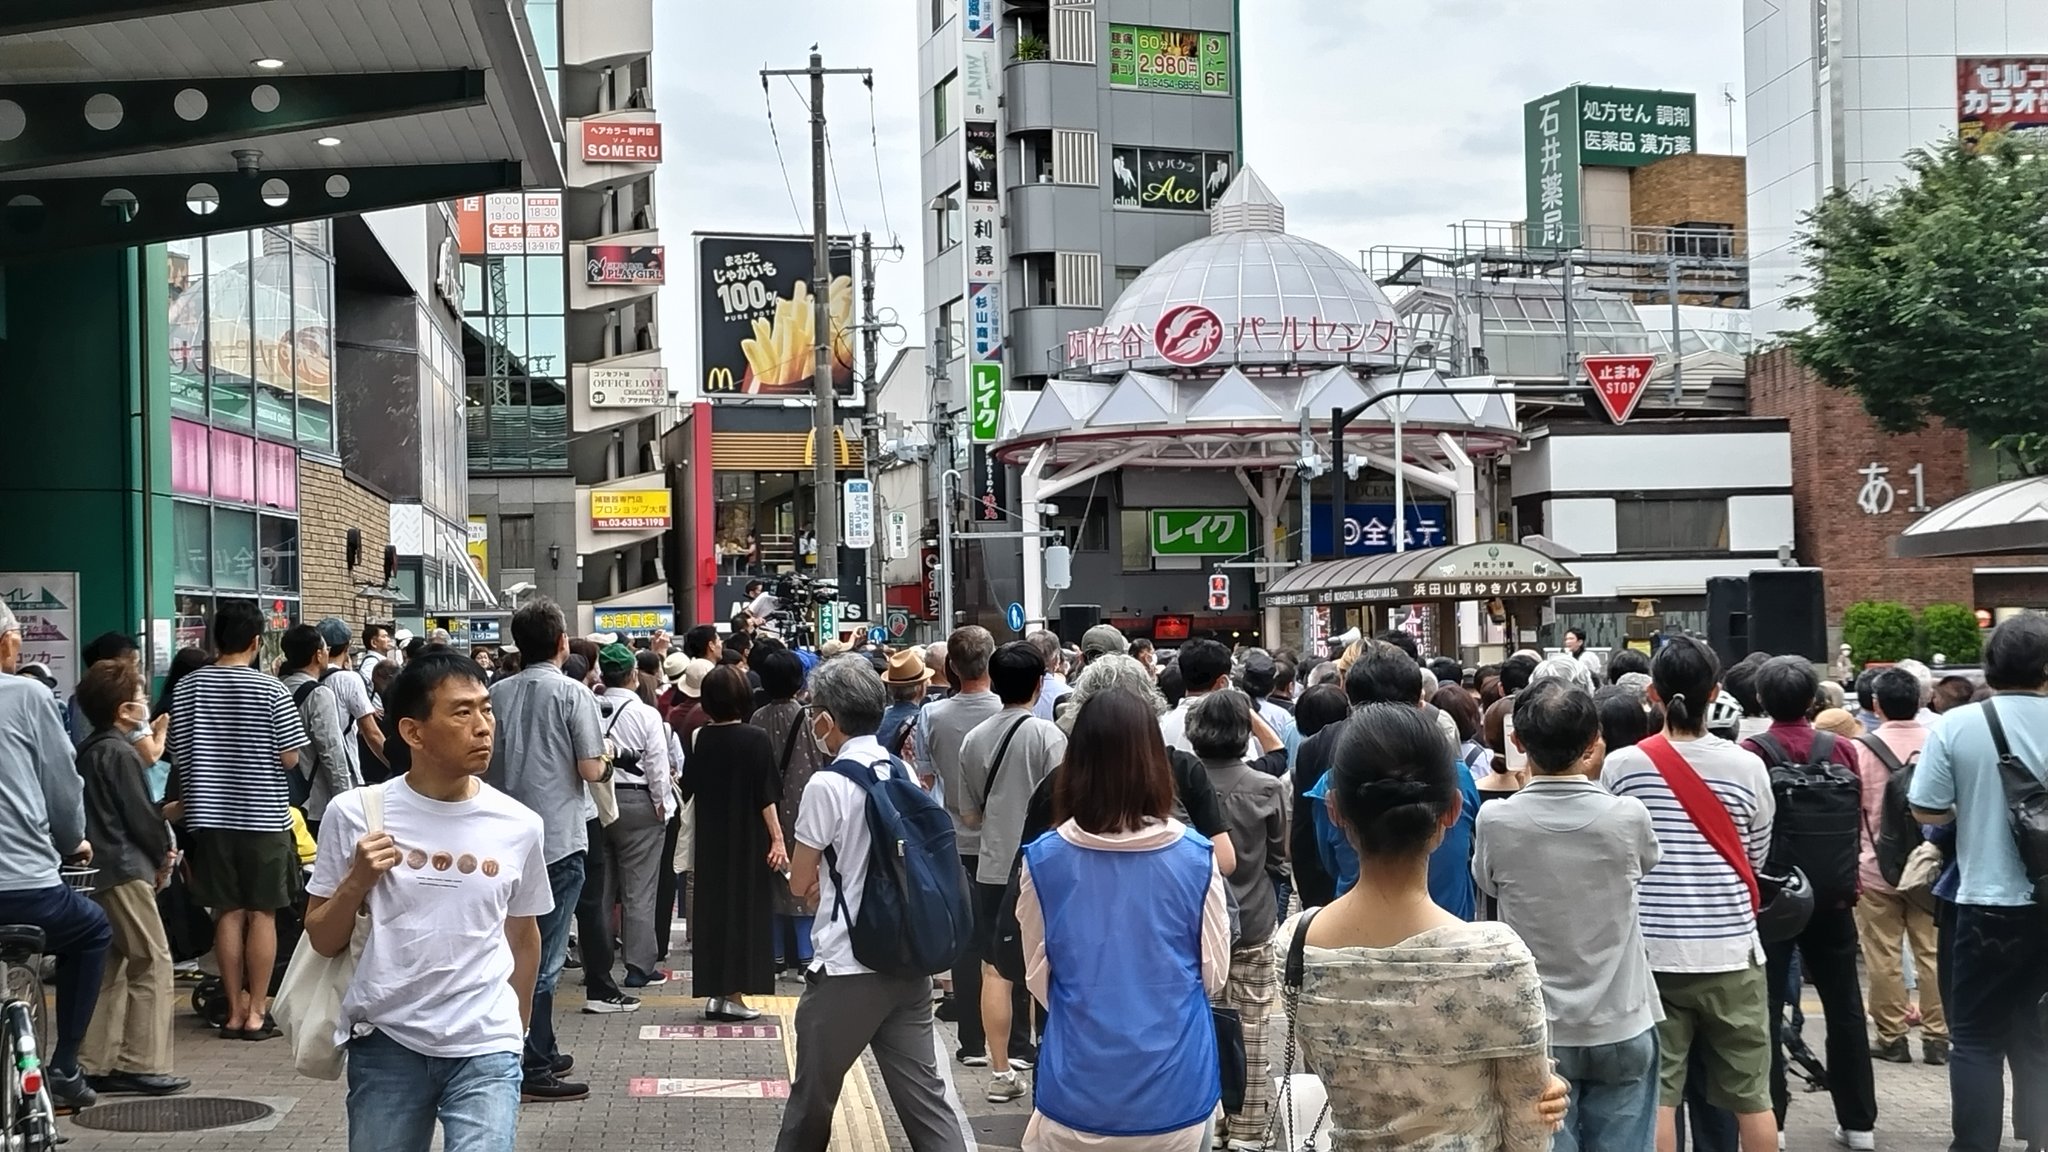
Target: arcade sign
1190,335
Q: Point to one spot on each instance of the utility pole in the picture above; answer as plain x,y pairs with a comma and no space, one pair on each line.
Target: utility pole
824,413
871,435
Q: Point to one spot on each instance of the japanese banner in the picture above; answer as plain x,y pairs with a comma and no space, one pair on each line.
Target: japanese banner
2001,94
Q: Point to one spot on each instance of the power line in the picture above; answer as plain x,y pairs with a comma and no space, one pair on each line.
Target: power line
875,145
831,161
769,104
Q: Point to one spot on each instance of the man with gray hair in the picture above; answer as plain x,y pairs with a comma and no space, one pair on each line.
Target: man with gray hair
847,1008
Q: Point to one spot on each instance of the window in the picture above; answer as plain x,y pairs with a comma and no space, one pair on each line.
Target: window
1657,524
517,410
944,98
1034,157
1079,280
1135,527
1703,240
187,278
278,554
230,369
1086,528
947,219
234,550
942,11
951,328
515,542
1039,289
1125,277
1073,35
1074,159
191,545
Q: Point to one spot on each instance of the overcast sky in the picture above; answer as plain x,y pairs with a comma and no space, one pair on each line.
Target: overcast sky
1375,121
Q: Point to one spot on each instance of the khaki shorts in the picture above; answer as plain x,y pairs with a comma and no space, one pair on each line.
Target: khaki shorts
249,871
1729,1014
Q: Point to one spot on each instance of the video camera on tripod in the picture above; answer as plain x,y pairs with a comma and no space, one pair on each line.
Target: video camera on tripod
792,608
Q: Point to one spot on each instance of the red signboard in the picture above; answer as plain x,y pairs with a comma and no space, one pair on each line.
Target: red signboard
928,563
2001,94
1172,628
1619,382
621,142
623,264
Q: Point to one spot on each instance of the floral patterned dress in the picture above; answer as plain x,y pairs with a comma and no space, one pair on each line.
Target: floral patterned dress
1438,1044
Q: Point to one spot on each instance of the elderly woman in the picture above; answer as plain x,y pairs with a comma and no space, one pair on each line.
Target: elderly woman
1255,805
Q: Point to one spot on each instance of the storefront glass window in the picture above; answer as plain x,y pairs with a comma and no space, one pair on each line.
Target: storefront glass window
234,467
278,544
277,477
191,461
313,347
271,292
193,620
234,550
191,545
229,350
187,273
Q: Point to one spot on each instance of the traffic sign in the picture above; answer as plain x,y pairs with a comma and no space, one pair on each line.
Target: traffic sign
1014,617
878,635
1619,382
1219,592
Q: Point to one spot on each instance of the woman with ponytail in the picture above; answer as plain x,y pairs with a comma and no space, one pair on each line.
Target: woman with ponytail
1429,1033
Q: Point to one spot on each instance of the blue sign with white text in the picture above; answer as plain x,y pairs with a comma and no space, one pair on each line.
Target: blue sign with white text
1369,528
1014,616
878,635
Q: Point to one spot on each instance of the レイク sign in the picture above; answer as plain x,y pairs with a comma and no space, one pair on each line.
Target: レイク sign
1619,382
621,142
630,509
985,402
1200,531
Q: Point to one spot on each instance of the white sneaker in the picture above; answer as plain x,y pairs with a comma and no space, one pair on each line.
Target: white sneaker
1004,1087
1854,1140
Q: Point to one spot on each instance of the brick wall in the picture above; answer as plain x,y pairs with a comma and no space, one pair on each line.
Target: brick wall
1695,188
1833,445
329,505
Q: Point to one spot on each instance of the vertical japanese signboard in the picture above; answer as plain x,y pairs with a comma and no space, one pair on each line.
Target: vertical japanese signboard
983,259
2001,94
510,224
1587,127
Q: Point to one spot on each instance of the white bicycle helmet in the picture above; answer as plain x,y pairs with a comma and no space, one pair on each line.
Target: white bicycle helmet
1724,716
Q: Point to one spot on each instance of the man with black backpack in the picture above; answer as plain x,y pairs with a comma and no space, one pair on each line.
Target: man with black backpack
325,769
1982,765
879,935
1896,907
1818,830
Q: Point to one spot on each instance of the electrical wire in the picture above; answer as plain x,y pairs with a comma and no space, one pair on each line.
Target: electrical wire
832,166
875,145
773,136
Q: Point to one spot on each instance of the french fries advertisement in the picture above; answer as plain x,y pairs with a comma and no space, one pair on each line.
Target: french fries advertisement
757,321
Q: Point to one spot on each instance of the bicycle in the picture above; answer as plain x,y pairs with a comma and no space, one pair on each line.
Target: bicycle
28,1120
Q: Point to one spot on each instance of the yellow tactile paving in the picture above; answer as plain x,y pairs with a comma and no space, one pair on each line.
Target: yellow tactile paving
857,1122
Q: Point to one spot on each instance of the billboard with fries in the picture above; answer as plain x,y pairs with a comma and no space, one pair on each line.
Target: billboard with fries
756,316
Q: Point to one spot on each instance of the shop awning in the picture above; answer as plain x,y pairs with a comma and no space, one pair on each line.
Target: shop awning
1451,573
2008,517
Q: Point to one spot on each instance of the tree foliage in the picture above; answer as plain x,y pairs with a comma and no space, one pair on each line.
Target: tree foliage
1950,630
1879,631
1930,299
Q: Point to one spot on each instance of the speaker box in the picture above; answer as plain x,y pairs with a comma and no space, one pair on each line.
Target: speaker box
1788,613
1076,619
1728,617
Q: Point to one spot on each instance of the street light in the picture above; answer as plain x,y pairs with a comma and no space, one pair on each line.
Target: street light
1339,419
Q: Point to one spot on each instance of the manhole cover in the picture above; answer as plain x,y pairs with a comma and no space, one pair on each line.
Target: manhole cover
172,1114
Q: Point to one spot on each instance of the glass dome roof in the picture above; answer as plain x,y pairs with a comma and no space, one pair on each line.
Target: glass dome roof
1280,299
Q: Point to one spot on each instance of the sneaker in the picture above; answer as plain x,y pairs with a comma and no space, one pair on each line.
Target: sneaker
605,1005
975,1059
550,1089
70,1092
137,1084
1934,1052
1024,1060
1004,1087
727,1012
1856,1141
652,979
1893,1052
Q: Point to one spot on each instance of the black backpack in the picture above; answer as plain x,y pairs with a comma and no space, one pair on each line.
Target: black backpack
299,781
1897,832
1819,825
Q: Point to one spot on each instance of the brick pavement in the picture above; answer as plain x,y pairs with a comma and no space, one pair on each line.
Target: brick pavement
1913,1099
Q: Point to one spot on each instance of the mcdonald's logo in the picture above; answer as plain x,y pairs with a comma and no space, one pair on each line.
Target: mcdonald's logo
719,380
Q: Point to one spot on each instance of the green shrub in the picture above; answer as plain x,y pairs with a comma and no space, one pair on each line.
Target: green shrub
1876,631
1951,630
1031,48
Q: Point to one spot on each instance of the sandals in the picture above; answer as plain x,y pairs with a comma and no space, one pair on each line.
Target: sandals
269,1031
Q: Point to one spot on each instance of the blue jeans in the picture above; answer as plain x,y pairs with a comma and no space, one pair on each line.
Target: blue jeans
565,876
2001,976
1614,1096
76,932
395,1095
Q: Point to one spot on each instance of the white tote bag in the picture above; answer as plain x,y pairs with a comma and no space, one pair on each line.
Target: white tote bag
308,1005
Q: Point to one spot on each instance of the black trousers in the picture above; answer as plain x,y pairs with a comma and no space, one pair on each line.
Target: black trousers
665,886
594,921
1828,954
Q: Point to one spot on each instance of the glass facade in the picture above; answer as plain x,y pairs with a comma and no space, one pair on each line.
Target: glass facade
517,402
251,369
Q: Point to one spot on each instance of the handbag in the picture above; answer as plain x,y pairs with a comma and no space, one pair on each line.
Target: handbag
1923,868
604,792
308,1004
1301,1104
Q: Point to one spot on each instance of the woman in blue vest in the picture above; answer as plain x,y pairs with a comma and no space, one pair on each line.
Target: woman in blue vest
1126,936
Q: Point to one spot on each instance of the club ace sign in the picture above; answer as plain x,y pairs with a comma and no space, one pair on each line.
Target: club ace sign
1619,382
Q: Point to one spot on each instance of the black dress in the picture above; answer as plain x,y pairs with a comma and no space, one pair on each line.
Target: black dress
730,773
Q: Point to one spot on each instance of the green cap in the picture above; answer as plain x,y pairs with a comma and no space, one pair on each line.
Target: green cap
615,658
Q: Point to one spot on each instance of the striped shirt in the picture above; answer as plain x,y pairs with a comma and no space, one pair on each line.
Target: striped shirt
229,725
1696,910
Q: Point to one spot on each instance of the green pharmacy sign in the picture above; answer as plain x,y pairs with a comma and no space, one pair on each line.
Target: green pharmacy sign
1201,531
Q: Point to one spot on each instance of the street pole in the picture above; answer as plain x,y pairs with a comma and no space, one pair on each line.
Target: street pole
1677,353
870,435
824,414
1338,420
1308,448
942,441
1425,348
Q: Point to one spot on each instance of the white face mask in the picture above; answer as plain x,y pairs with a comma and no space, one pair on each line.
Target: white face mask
818,739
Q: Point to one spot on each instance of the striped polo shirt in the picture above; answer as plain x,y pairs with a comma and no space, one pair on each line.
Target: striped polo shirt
229,724
1696,911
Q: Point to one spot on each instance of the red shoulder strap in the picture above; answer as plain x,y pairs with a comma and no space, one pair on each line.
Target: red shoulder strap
1704,808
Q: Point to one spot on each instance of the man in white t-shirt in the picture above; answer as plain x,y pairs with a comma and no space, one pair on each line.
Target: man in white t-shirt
847,1008
435,1016
360,729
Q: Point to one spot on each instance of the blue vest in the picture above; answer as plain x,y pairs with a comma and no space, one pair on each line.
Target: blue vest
1129,1049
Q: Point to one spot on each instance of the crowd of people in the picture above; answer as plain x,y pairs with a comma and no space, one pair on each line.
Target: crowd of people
1555,902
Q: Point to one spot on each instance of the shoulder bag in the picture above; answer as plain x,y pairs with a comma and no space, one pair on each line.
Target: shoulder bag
604,792
308,1004
1301,1104
2026,803
995,769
